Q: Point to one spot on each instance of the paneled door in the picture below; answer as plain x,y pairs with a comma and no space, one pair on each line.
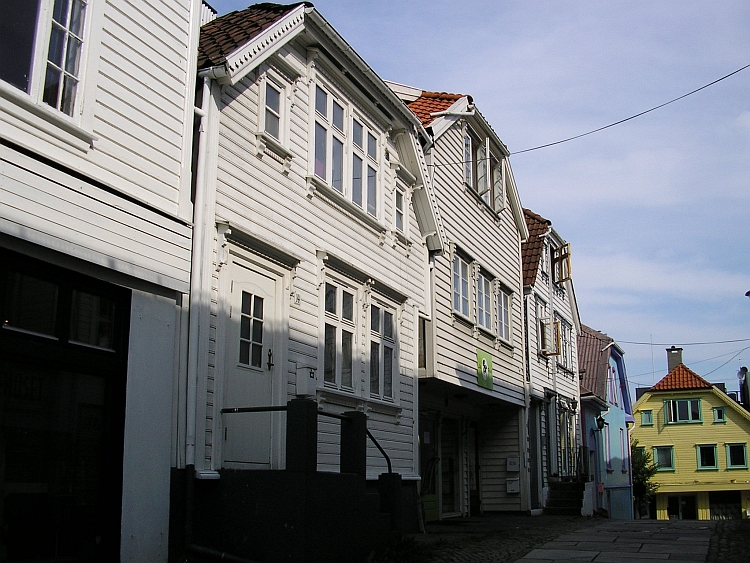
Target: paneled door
250,365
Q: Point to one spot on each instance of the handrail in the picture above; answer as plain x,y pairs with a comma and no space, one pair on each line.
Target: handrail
235,410
382,451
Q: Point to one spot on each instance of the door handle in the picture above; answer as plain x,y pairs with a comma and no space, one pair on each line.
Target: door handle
270,359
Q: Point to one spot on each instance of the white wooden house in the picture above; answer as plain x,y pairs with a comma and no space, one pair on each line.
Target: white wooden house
95,241
552,325
319,221
472,387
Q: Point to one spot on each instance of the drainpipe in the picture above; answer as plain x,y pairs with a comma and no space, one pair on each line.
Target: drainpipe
196,269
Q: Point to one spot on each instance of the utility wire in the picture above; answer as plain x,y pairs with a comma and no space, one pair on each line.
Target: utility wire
683,344
725,363
691,363
633,116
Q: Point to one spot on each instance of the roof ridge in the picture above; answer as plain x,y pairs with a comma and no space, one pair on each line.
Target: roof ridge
679,378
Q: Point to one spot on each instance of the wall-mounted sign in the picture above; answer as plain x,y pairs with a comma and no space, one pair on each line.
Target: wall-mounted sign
484,369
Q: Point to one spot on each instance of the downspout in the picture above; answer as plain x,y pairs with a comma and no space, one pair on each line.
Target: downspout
196,270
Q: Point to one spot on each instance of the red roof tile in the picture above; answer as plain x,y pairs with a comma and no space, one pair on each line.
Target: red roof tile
531,250
593,360
681,378
222,36
432,102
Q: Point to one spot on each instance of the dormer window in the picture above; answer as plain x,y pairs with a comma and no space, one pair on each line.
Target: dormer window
484,173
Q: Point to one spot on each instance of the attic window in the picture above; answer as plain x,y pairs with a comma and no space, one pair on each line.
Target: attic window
561,263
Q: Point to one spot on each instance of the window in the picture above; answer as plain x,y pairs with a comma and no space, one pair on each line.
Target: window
664,457
338,134
561,263
707,458
484,302
565,339
272,124
251,330
720,414
608,448
382,352
48,68
338,354
613,383
399,206
623,451
736,456
484,173
504,300
460,286
682,410
647,418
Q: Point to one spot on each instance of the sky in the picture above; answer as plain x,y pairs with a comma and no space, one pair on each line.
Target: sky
657,209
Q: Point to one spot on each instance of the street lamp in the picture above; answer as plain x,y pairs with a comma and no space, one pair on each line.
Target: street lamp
600,422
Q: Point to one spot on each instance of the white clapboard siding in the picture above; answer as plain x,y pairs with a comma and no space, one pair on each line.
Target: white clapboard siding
255,197
47,206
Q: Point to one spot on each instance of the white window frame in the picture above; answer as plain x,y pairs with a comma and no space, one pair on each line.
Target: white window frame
370,157
565,343
340,324
38,62
401,211
484,302
484,173
504,314
271,79
384,342
461,285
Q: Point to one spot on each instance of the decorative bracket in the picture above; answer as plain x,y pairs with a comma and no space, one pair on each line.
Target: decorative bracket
223,251
322,256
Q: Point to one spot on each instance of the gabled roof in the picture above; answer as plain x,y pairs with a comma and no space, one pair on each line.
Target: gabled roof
593,360
224,35
433,102
531,250
681,378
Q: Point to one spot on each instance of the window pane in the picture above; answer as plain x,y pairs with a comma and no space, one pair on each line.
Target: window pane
31,304
51,86
707,456
664,457
258,307
272,124
357,133
357,180
374,368
467,160
92,320
422,344
346,358
347,306
682,410
737,455
330,298
60,11
257,355
73,56
17,27
387,372
245,327
329,355
372,146
70,85
337,172
321,101
399,210
320,151
695,413
338,116
257,331
372,194
375,319
245,353
56,46
387,324
272,98
76,18
247,300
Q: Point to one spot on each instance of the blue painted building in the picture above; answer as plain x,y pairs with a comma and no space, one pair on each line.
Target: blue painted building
606,415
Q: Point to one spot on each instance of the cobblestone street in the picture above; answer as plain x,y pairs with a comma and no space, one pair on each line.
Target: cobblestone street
541,539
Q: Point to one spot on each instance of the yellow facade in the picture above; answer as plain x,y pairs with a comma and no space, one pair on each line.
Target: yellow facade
687,478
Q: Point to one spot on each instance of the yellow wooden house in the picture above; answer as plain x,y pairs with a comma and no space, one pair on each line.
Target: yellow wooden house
698,437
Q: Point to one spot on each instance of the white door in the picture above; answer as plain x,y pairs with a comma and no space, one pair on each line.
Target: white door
250,366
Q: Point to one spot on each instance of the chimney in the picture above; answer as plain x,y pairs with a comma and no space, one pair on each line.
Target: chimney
674,357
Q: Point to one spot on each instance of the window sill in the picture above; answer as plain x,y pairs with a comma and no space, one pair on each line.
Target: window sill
484,331
708,469
480,201
357,402
265,143
315,184
505,343
735,468
37,117
679,422
463,319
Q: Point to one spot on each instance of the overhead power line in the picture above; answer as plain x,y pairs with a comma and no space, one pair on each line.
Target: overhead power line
633,116
682,344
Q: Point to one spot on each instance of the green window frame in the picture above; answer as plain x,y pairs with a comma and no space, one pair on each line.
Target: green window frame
682,411
647,418
664,455
707,456
734,451
720,415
